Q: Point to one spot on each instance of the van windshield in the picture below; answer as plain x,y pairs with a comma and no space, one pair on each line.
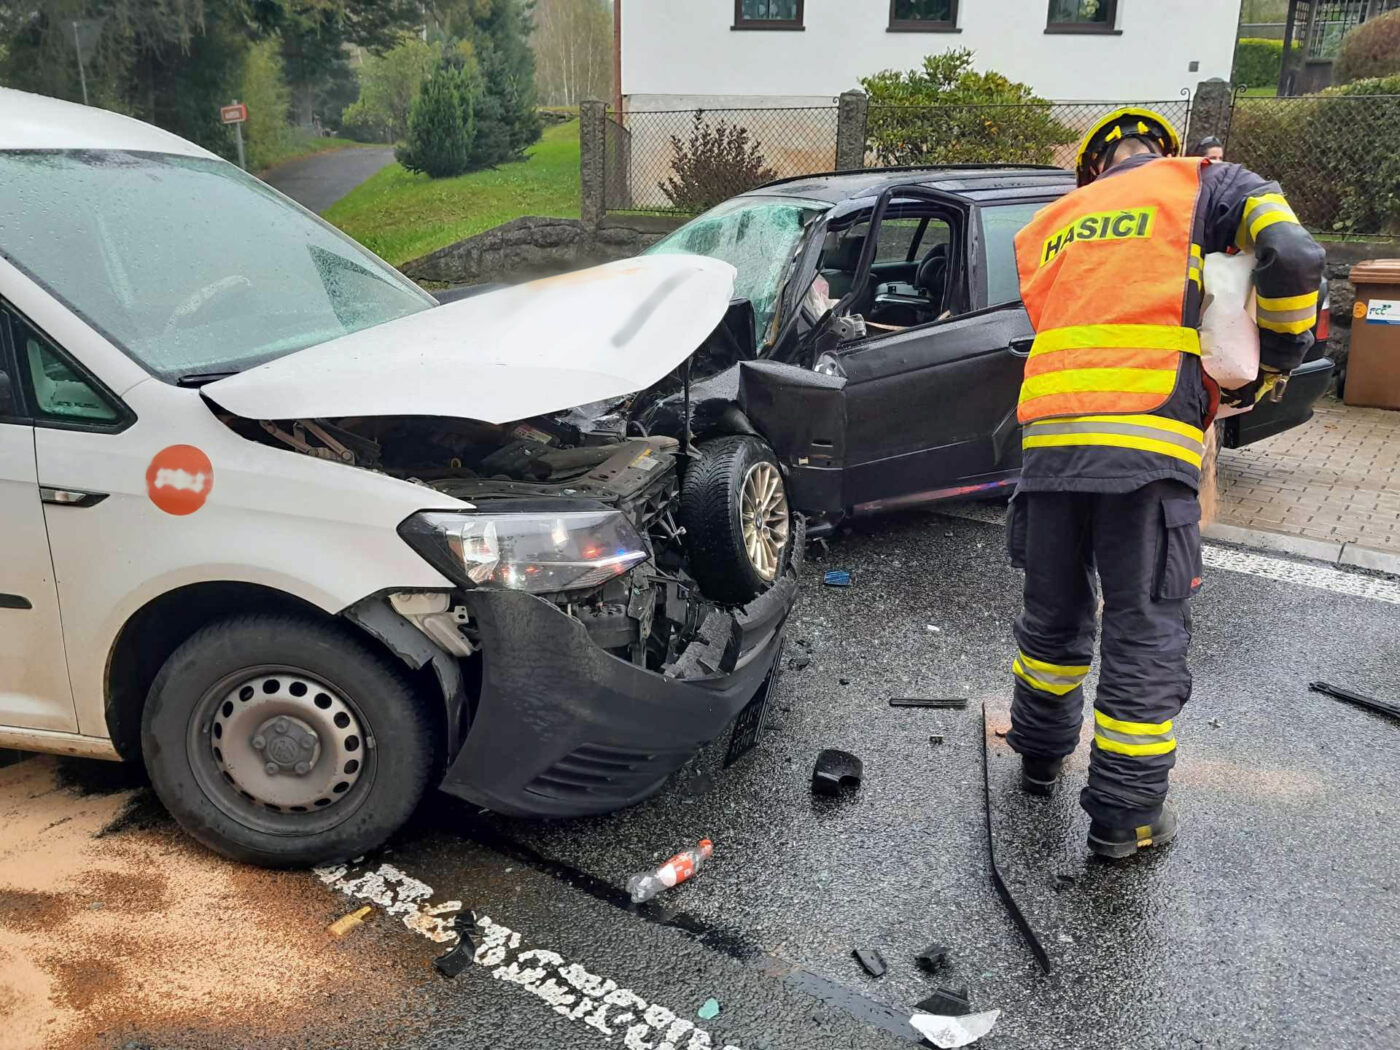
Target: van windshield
189,265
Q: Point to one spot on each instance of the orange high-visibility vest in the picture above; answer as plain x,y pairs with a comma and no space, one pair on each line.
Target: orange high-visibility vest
1104,274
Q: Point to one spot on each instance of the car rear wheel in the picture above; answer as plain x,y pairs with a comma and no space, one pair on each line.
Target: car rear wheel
282,742
738,524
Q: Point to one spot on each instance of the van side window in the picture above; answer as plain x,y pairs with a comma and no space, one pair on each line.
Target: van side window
57,392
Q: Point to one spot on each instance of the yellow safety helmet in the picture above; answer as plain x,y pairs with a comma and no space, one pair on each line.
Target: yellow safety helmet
1130,122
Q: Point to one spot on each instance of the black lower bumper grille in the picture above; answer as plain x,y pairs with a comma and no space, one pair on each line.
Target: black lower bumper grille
601,771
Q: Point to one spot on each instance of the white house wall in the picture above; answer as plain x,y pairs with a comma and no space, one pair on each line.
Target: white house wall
688,48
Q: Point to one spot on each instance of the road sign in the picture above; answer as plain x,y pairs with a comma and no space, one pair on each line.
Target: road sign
234,114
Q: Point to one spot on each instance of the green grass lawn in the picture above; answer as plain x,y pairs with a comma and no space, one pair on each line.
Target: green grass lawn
1261,92
401,215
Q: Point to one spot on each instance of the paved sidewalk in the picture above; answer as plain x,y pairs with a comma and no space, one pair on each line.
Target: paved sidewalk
1335,479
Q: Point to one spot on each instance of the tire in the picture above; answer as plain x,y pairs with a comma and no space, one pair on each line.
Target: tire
712,509
305,686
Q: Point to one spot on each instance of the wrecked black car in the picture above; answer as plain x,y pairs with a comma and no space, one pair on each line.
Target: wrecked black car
887,339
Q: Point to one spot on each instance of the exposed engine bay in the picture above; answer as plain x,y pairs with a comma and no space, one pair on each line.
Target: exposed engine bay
654,615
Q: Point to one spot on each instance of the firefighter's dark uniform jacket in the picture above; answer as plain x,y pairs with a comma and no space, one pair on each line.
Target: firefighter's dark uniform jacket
1115,405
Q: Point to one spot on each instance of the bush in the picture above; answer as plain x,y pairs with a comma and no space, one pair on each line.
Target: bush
947,113
1337,158
440,127
388,85
1371,50
717,163
1258,62
266,134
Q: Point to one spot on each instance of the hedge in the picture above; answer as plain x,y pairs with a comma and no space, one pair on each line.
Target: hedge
1371,50
1258,62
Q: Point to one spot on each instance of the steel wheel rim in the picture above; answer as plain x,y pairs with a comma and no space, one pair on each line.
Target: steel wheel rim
341,761
764,519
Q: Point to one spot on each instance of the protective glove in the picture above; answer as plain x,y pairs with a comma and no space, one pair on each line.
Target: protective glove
1251,394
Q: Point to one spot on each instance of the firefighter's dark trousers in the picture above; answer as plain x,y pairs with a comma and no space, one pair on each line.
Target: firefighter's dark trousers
1146,547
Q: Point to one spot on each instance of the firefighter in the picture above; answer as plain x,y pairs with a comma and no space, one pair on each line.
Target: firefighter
1114,406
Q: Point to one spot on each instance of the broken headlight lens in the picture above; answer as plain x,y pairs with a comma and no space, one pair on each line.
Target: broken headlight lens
532,547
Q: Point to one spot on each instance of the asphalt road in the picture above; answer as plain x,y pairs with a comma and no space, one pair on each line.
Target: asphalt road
1271,922
319,181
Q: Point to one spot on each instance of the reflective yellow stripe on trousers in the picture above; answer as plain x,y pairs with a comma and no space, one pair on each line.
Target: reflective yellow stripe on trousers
1057,679
1132,738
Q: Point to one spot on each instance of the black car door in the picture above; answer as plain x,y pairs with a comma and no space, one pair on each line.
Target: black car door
931,409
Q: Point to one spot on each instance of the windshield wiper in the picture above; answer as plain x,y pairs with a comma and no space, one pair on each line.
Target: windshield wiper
201,378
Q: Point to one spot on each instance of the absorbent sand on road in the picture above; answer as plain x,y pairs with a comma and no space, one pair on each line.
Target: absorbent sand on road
135,928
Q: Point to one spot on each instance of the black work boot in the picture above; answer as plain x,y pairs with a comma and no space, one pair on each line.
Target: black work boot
1124,842
1040,775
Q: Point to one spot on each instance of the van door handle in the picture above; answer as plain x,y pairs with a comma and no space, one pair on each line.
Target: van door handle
1021,347
70,497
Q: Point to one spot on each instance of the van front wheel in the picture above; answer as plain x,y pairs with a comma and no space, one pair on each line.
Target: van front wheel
283,742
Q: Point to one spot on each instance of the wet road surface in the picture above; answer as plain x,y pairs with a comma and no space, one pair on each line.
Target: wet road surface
1271,922
319,181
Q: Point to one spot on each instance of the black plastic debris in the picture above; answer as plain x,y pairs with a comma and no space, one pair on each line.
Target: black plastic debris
844,681
835,770
932,957
921,701
460,957
936,738
871,960
1368,702
947,1002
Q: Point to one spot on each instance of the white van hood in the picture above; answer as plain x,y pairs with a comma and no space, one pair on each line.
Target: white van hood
519,352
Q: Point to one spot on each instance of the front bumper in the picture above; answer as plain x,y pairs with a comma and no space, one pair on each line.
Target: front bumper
563,728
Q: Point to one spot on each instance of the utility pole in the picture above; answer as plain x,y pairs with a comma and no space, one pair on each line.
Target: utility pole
78,47
238,137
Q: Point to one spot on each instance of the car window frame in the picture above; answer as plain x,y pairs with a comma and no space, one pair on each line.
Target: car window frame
977,247
23,382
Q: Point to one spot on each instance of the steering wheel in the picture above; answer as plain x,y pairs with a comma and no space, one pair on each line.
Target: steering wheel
929,276
201,298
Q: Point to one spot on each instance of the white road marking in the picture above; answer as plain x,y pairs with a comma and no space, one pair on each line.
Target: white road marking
567,988
1318,575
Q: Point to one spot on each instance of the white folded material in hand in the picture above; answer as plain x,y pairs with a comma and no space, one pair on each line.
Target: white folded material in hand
947,1032
1229,333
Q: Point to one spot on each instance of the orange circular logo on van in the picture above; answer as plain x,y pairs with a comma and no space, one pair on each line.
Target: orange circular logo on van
179,479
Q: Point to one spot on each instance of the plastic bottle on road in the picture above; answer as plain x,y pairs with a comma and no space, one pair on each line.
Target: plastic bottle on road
682,866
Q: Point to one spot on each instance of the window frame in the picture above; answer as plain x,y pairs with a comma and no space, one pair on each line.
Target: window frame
23,381
1108,27
778,24
920,25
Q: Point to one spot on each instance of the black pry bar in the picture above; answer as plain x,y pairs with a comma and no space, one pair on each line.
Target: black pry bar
918,701
1012,908
1368,702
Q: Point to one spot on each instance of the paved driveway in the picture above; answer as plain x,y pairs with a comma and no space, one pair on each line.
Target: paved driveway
318,182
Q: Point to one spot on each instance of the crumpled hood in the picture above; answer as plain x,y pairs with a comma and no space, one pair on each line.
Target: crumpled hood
519,352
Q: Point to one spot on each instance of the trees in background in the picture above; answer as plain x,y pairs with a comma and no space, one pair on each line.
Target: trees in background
573,41
388,84
441,126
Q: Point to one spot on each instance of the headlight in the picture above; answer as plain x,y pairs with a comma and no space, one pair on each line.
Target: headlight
535,546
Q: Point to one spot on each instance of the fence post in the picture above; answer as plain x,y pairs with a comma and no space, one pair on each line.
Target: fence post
851,116
1211,111
592,161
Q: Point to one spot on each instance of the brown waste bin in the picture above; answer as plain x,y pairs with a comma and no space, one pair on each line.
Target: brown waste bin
1373,363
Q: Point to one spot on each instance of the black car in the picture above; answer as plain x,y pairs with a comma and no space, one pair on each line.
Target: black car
878,345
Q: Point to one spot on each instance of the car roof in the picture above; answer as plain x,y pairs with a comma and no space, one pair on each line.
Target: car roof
38,122
974,183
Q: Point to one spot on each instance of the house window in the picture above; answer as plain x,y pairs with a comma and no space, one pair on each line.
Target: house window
923,16
768,14
1082,16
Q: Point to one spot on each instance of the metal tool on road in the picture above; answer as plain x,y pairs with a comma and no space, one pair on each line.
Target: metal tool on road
1368,702
958,702
1012,908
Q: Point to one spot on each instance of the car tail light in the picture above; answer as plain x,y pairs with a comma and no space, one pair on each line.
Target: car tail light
1324,321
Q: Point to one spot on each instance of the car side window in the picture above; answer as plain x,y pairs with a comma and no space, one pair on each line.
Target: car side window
58,391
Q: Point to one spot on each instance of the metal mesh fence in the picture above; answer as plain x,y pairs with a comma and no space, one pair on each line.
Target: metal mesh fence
1337,157
684,161
1035,133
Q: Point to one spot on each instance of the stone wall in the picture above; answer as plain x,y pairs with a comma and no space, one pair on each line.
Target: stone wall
533,246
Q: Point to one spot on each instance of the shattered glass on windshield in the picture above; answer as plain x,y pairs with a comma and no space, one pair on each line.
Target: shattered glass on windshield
758,237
